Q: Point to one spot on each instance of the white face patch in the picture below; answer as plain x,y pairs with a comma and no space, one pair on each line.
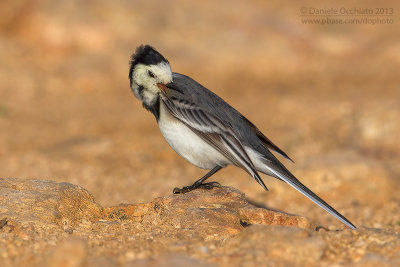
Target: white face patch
141,77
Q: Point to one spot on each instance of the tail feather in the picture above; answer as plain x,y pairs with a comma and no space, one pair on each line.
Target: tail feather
296,184
260,181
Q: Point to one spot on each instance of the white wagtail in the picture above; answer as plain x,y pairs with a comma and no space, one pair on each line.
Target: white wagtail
204,129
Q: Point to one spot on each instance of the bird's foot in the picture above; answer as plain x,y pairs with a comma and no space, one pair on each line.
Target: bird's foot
192,187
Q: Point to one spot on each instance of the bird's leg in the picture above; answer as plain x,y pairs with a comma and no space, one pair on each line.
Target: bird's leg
199,183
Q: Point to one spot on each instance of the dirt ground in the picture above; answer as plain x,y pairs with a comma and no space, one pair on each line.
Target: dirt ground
328,95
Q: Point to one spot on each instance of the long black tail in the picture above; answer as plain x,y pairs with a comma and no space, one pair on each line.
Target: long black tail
296,184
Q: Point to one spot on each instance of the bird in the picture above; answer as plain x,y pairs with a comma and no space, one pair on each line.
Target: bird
204,129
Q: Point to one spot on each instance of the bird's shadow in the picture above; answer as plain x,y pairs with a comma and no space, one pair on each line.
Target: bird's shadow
263,206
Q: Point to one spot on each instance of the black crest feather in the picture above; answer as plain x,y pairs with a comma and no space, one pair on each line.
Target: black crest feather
147,55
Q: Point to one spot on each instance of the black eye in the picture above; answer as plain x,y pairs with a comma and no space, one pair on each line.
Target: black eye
150,73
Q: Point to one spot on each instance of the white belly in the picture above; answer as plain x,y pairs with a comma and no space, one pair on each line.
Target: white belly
187,144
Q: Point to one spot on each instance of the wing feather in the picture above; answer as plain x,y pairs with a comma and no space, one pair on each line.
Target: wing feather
268,143
213,131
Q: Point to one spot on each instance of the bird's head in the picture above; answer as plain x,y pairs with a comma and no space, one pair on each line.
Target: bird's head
149,73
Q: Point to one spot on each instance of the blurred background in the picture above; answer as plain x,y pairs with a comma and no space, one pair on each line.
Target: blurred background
328,95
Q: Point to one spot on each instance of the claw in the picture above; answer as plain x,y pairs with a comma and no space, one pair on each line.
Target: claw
186,189
210,185
182,190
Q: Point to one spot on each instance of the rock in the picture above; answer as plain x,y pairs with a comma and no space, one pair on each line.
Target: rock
252,215
44,223
365,245
47,202
223,211
274,245
70,253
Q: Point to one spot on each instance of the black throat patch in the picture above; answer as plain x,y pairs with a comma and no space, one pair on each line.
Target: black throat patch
155,108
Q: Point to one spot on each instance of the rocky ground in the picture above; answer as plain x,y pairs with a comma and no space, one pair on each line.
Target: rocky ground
328,95
45,223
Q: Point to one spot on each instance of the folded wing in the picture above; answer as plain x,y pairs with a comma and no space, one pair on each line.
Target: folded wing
213,131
